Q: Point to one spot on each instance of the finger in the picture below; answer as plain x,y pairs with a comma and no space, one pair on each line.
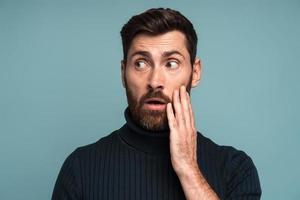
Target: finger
185,106
177,107
192,120
171,118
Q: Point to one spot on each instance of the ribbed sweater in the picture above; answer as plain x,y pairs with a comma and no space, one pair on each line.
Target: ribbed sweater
134,164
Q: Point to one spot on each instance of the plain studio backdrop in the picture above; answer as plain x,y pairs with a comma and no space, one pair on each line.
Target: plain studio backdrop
60,85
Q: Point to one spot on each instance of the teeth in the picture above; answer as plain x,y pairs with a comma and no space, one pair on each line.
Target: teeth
155,102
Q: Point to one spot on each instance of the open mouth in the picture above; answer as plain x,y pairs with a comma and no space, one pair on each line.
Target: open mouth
155,104
155,101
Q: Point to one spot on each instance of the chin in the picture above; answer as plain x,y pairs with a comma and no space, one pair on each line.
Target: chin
153,120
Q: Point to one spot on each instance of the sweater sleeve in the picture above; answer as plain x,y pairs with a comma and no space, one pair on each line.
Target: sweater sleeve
67,186
242,178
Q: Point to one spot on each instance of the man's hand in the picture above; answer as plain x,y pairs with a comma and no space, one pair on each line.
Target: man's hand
183,136
183,147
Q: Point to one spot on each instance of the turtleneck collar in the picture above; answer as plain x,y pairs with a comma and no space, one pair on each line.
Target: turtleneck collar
144,140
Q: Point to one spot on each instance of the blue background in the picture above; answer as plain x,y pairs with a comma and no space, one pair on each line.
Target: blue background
60,84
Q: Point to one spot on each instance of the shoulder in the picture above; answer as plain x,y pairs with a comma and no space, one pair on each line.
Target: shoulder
85,156
69,181
236,168
96,147
227,157
225,153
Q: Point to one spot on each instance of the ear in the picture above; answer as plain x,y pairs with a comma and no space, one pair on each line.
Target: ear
196,73
123,68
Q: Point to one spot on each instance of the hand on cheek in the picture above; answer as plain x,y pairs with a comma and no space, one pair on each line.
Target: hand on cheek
183,137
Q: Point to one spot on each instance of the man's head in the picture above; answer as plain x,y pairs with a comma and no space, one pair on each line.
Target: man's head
159,49
157,21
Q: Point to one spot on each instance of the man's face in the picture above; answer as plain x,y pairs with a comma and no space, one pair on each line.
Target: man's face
155,67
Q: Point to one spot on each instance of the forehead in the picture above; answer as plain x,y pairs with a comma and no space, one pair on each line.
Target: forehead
170,41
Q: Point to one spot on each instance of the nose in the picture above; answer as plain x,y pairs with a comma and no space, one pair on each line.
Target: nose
156,79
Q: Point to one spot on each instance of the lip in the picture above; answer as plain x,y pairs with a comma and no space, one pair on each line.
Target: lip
161,101
161,105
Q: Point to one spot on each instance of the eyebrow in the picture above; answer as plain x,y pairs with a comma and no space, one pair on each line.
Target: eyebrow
169,53
142,53
165,54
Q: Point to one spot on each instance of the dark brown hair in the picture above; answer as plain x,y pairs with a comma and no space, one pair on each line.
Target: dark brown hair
158,21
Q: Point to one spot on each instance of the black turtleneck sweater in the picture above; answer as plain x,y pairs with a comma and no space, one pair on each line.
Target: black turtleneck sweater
134,164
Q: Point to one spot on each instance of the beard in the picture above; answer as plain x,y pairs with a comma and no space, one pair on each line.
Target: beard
152,120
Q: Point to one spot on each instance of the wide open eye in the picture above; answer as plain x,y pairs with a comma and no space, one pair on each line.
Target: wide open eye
140,64
172,64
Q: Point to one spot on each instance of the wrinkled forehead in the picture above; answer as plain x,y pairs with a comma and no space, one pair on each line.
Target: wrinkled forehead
159,44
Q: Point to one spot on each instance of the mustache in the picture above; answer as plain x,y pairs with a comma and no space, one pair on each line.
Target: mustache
155,94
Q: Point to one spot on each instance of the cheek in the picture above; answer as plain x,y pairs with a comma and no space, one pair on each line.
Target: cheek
176,82
135,85
176,85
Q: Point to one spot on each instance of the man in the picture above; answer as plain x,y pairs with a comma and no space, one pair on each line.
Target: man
158,154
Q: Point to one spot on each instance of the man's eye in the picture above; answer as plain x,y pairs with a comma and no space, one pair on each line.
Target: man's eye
141,64
172,64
